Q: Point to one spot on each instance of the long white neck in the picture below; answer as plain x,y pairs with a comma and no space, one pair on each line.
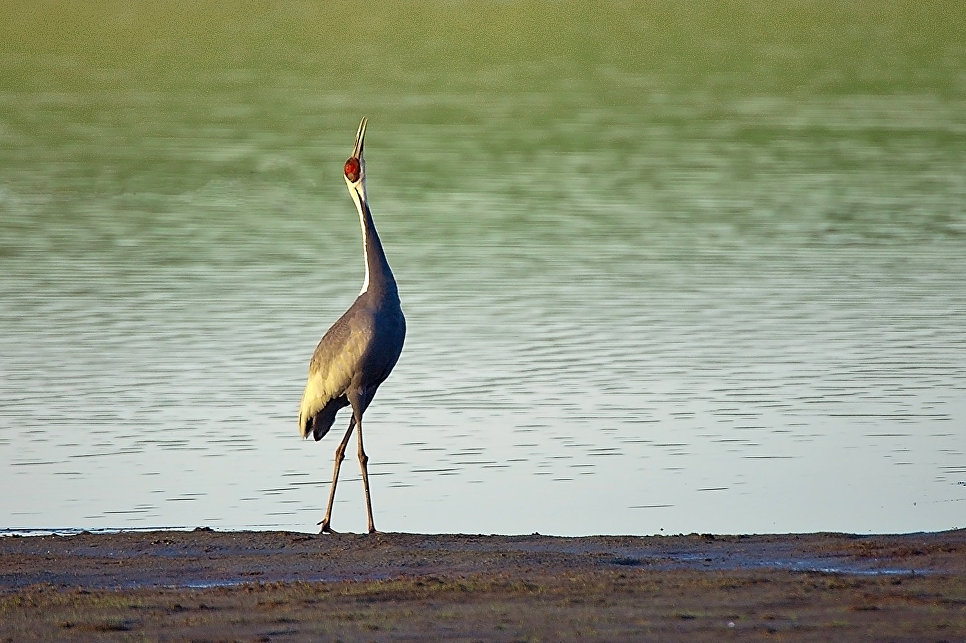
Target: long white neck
358,197
365,252
378,277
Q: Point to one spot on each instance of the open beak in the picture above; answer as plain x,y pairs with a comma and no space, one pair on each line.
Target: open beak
360,138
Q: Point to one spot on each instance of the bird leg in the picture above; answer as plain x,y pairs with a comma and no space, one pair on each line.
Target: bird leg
363,460
339,457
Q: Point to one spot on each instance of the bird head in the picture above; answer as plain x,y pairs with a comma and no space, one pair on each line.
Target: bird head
355,168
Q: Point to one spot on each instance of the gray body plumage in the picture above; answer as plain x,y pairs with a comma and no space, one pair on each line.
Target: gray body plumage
354,357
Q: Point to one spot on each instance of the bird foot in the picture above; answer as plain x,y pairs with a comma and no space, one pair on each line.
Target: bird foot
326,528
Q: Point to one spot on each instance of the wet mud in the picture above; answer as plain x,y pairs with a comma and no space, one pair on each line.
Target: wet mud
284,585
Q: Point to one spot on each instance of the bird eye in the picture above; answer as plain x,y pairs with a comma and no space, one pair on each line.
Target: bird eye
352,169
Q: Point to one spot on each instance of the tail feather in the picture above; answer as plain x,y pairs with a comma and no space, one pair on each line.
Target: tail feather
320,421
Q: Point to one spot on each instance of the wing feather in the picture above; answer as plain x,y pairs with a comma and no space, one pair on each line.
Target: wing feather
336,360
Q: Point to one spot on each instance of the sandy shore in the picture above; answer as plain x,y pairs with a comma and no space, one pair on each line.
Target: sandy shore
204,584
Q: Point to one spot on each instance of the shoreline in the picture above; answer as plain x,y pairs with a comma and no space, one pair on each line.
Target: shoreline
203,556
204,584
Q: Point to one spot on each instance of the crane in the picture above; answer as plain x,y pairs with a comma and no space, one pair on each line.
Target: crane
361,348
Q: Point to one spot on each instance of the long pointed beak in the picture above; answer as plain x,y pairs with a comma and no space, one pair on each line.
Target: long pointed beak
360,139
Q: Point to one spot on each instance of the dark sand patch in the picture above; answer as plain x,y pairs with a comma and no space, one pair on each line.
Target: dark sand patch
267,585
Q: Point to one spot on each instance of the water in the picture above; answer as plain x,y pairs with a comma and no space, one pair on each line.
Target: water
664,272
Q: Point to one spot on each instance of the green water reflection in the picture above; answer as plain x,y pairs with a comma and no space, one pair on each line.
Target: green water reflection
724,244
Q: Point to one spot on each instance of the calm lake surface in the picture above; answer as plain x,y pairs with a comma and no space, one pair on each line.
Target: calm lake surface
665,269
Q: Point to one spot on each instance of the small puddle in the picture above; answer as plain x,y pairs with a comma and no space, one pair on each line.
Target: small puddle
736,561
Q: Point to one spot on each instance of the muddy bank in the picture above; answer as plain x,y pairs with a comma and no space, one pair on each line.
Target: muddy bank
203,557
267,585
